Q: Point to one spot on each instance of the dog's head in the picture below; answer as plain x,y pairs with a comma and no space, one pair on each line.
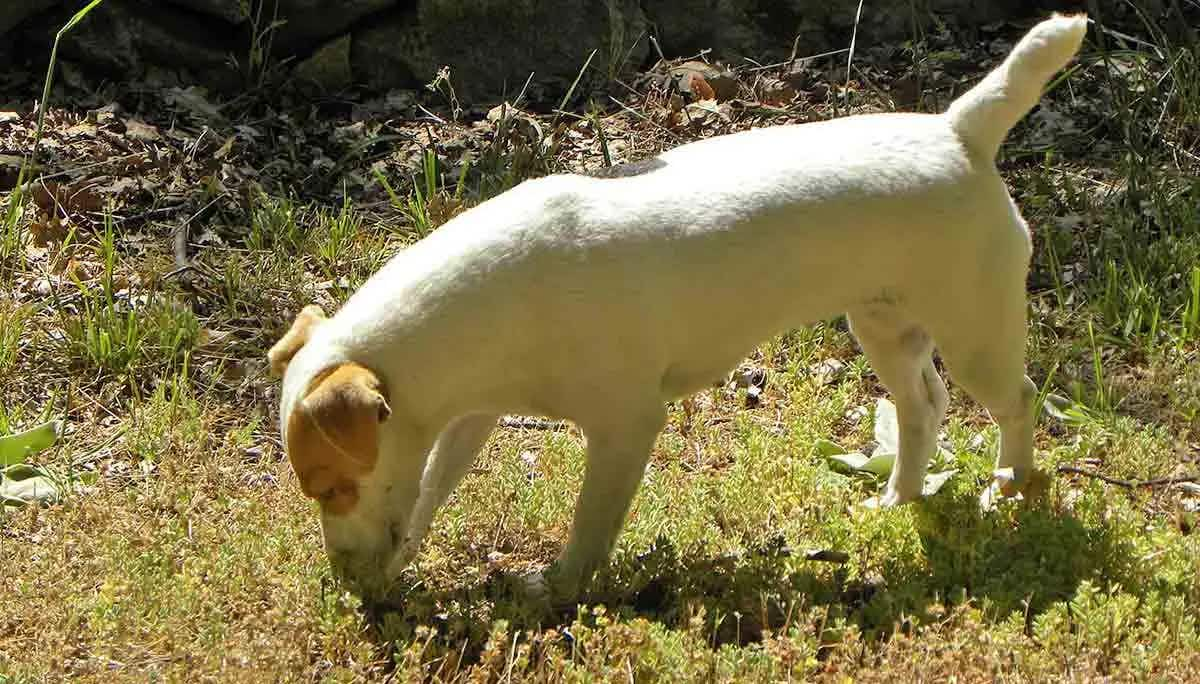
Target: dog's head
332,425
336,420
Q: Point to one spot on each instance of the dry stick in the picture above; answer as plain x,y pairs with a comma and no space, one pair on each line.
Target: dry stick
788,62
657,48
78,169
528,423
815,555
1127,484
181,240
151,213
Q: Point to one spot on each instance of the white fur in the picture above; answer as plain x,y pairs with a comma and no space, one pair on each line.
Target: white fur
598,300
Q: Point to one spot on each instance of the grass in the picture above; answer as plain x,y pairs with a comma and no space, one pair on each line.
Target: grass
183,551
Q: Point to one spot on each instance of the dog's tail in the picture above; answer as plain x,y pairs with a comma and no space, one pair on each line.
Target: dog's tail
985,113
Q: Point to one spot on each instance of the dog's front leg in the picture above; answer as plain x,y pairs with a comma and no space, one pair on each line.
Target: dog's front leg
900,354
449,461
617,453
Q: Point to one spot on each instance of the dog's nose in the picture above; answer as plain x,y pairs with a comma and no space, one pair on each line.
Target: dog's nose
363,573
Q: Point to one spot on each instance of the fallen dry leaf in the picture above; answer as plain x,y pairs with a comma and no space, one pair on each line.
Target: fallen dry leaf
104,114
49,196
47,230
776,92
701,89
140,130
83,129
225,149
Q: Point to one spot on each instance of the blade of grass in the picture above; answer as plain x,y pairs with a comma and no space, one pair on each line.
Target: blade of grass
10,243
571,91
41,122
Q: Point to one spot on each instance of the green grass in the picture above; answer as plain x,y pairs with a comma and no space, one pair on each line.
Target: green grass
184,552
104,329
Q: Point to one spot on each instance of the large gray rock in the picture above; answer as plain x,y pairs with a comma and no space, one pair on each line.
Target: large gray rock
302,24
685,27
124,37
13,12
328,69
492,46
311,22
766,30
231,11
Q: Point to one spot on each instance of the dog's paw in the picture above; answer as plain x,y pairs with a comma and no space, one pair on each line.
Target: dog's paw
401,559
534,586
543,592
890,498
1010,485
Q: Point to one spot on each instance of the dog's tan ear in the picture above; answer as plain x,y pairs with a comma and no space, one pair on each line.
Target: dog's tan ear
287,346
333,435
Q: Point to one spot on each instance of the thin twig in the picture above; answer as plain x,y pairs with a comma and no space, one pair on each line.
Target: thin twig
431,115
788,62
1125,36
657,49
1127,484
151,213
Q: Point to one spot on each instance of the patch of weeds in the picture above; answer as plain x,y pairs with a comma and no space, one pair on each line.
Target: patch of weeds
1114,629
520,148
12,243
274,225
116,339
259,66
1147,290
441,84
169,421
334,236
13,319
104,329
429,204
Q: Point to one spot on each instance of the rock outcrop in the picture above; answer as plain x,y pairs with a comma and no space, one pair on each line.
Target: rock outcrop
491,46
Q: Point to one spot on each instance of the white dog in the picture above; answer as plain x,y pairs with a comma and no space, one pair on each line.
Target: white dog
600,299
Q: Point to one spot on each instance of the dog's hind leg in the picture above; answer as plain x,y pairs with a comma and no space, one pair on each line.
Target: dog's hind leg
900,353
983,348
617,452
449,461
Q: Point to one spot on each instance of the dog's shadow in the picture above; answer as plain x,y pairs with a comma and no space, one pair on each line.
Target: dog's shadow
1021,559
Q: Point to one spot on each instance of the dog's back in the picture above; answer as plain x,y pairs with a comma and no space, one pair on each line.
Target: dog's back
717,244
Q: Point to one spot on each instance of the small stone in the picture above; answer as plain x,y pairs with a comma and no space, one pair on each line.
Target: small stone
753,396
857,414
529,458
828,371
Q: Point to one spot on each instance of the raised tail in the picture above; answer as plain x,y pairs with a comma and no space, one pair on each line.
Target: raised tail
984,114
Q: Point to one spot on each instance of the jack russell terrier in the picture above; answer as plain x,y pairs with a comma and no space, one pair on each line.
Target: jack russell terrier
599,300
